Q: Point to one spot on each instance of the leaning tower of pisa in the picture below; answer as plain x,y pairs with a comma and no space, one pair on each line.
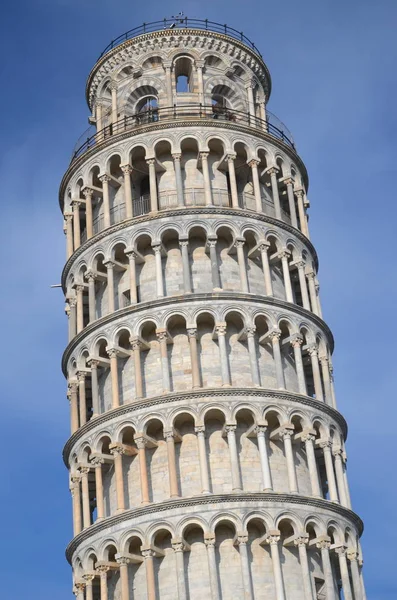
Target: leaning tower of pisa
207,455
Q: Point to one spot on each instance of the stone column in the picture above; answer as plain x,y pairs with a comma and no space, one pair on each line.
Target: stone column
118,452
98,114
239,245
301,212
154,206
296,343
286,435
85,496
257,188
88,194
136,345
347,491
284,256
123,561
242,540
231,440
178,179
262,107
91,276
206,176
275,336
312,292
159,270
148,555
318,389
113,87
329,467
276,198
141,445
173,479
204,473
267,485
232,178
324,362
250,332
162,338
103,581
79,307
97,462
250,100
308,439
324,545
184,246
76,502
106,202
303,285
114,373
225,373
88,578
291,201
69,235
73,318
216,281
79,590
194,361
273,541
76,223
74,412
110,284
317,288
344,573
263,248
82,397
200,82
127,170
93,364
168,82
132,273
209,540
338,452
178,548
301,543
353,558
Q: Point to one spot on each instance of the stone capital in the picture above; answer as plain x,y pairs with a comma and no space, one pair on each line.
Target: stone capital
112,352
296,340
105,178
126,169
254,162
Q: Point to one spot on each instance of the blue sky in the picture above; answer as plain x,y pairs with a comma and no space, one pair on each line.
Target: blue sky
333,67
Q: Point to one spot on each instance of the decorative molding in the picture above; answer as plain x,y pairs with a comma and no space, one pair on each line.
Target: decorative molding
180,504
201,394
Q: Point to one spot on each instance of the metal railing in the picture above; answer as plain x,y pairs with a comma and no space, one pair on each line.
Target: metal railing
192,197
183,112
180,22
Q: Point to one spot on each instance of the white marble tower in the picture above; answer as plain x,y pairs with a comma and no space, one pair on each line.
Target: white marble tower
206,455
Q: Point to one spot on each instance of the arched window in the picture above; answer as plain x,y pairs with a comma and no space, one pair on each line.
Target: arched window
183,67
147,103
221,100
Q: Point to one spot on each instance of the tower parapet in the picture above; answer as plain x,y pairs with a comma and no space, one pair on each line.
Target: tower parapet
207,454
